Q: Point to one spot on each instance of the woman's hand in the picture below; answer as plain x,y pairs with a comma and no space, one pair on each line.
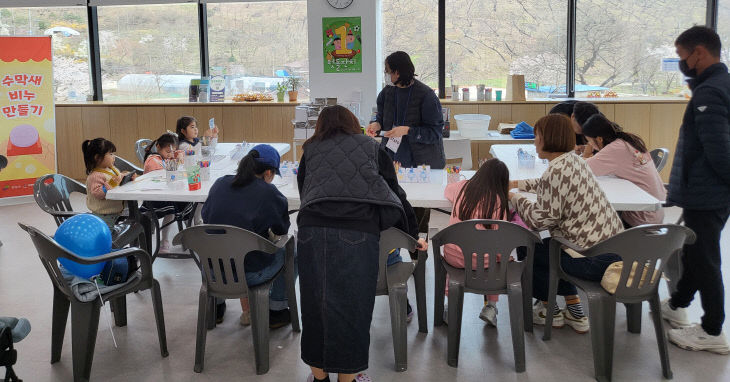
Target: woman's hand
422,245
513,184
579,149
587,152
396,132
372,129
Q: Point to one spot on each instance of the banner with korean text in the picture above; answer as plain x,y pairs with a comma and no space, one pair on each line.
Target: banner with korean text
27,115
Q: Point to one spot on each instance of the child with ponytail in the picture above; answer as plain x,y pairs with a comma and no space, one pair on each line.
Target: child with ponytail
625,156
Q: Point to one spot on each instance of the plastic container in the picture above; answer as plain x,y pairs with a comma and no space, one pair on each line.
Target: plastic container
472,125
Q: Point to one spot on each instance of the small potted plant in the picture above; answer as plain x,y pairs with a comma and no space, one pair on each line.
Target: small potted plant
293,83
281,88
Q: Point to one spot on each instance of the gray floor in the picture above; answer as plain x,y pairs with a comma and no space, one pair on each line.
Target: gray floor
485,352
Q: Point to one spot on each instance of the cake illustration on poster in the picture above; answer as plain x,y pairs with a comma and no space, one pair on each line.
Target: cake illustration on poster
27,115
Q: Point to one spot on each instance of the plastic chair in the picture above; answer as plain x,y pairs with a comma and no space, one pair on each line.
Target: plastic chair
501,277
456,147
221,250
124,165
85,315
182,218
646,247
660,157
8,354
393,282
139,148
52,194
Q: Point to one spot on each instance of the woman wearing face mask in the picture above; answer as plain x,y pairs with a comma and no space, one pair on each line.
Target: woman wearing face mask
409,111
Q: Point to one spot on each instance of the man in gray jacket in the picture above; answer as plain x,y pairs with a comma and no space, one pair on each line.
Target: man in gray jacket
700,184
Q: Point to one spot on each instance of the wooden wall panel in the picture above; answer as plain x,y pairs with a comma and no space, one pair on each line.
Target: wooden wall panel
151,122
69,136
529,113
608,110
95,122
234,120
204,113
122,132
665,123
634,118
499,114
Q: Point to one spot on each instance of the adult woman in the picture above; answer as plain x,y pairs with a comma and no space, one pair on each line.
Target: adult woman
409,111
349,194
569,203
624,155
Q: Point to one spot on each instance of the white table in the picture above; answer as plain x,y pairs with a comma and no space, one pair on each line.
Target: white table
622,194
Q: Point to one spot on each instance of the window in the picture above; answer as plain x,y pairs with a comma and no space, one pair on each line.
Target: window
723,29
412,26
69,29
486,41
259,44
621,44
148,51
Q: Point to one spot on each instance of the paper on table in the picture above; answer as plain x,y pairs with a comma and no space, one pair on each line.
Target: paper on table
393,144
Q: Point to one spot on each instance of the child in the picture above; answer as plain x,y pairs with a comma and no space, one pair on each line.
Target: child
484,196
187,133
165,147
264,212
102,177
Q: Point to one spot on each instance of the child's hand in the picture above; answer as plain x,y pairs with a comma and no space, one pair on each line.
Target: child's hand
513,184
422,245
215,131
134,176
118,178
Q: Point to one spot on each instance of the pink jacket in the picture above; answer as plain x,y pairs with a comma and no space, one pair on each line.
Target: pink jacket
153,162
452,253
623,161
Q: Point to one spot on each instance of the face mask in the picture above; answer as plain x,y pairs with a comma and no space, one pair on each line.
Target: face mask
685,69
388,81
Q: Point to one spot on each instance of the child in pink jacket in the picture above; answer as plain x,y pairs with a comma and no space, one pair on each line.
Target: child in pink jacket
480,197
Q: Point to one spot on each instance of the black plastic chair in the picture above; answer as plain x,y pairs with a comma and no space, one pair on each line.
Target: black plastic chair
52,194
513,278
85,315
124,165
645,247
221,250
393,282
660,157
8,355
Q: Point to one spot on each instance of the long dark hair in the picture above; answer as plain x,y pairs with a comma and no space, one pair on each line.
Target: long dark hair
401,62
334,120
182,124
95,149
163,141
248,169
481,193
584,110
599,126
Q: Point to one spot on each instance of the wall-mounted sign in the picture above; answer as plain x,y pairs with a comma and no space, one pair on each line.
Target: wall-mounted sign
342,44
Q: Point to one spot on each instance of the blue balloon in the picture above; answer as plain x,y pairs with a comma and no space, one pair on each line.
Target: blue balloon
84,235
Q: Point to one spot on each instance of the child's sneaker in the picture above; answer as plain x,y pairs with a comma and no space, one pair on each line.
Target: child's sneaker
409,312
676,317
695,338
245,319
538,316
580,325
489,314
362,377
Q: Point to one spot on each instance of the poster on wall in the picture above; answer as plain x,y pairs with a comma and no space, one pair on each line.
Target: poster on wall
27,115
217,84
342,44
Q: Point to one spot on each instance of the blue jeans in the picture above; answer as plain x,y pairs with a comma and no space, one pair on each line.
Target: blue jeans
339,273
586,268
394,257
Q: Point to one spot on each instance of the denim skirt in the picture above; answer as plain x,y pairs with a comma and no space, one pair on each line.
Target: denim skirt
338,273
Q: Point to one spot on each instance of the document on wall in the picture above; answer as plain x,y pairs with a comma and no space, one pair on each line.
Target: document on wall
393,144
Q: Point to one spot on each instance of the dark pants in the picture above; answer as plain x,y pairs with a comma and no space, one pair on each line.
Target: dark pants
338,273
586,268
701,267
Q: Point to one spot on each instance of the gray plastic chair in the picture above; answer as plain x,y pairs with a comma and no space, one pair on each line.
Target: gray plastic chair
85,315
139,148
660,157
503,277
52,194
124,165
393,282
647,246
221,250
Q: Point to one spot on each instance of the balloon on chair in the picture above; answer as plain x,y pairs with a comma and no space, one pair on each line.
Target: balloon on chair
84,235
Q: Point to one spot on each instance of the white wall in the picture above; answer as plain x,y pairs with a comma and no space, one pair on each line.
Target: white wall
347,87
